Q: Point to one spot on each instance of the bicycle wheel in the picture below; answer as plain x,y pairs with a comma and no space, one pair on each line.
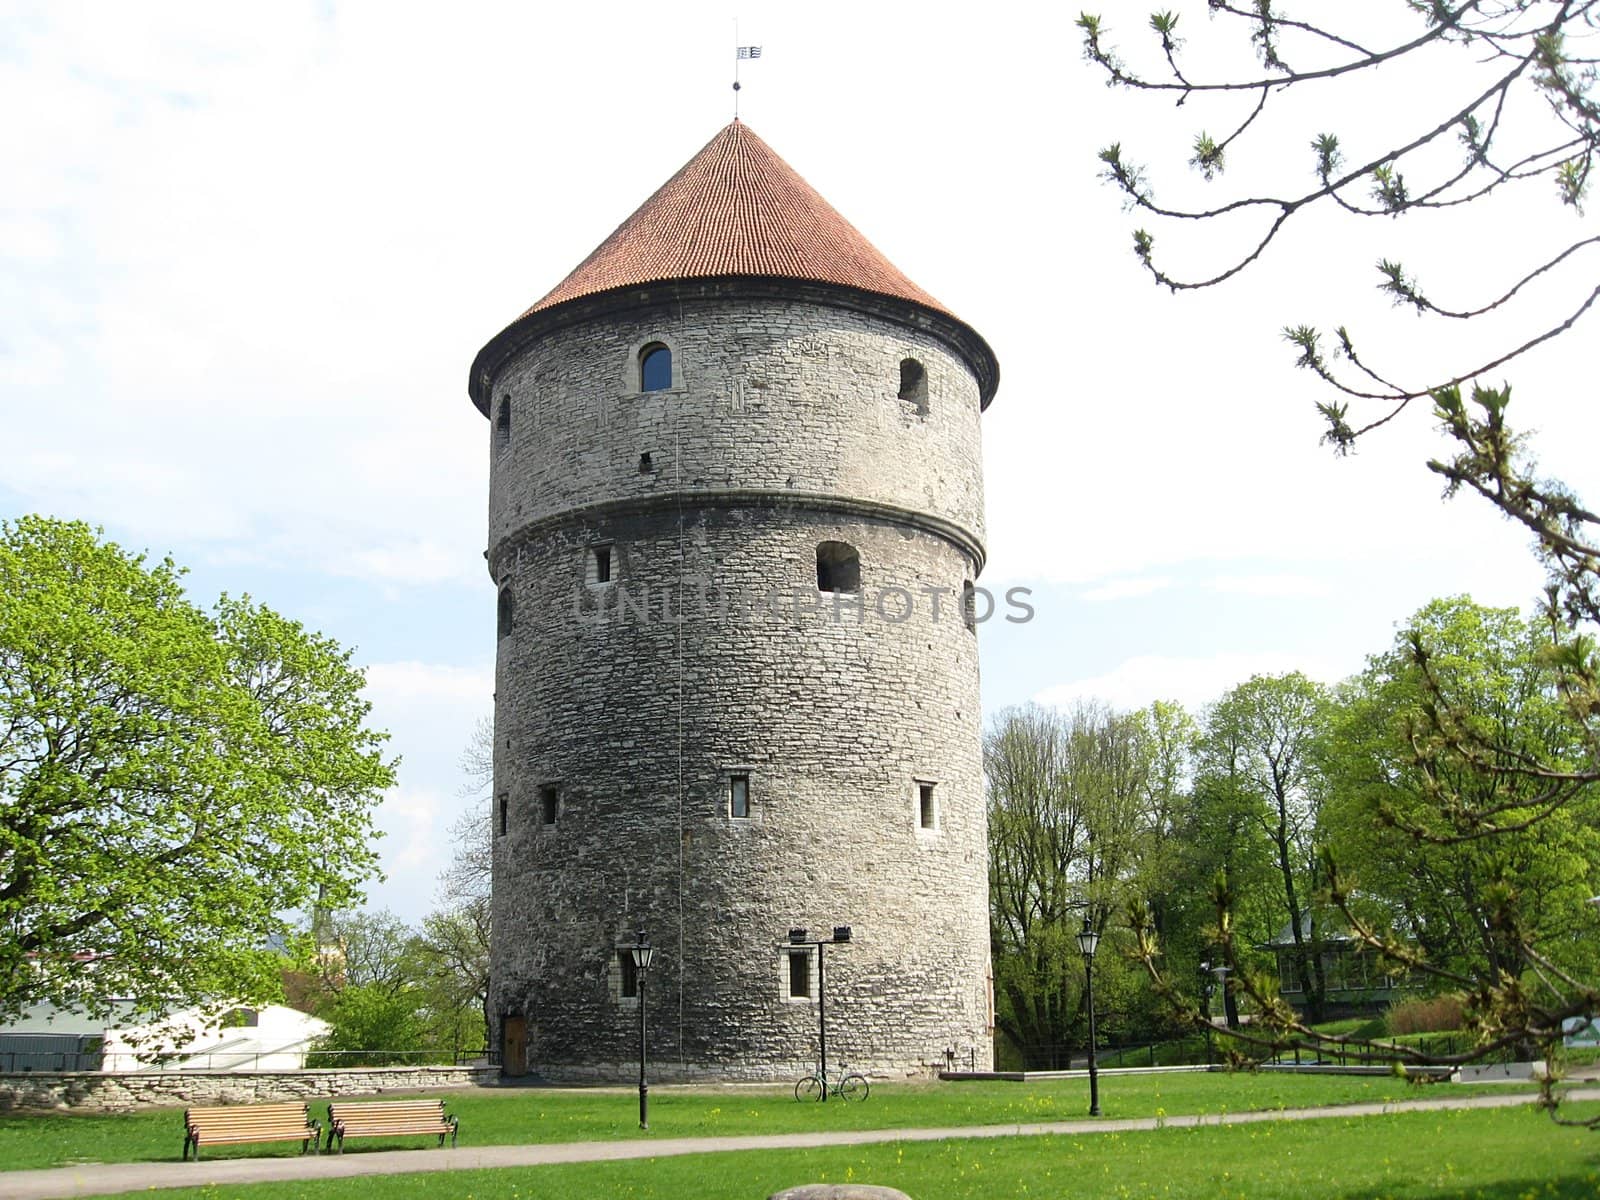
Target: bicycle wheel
853,1087
809,1088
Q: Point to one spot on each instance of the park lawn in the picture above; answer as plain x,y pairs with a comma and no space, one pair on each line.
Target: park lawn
496,1116
1505,1154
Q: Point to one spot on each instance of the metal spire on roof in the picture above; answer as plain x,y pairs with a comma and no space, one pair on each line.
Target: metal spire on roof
739,55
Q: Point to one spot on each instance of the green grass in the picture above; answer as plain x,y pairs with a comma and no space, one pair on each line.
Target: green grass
1489,1155
523,1115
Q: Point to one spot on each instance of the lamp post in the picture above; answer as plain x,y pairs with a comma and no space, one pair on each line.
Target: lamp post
1212,977
1088,940
802,937
644,957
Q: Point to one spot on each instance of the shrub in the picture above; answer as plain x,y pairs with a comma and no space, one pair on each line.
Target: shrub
1432,1014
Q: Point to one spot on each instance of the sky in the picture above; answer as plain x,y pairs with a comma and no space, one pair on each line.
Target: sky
247,253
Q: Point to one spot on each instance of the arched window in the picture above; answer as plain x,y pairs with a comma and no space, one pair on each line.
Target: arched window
655,368
914,385
838,567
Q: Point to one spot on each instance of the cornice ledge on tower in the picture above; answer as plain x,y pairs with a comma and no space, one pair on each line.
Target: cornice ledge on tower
533,325
958,535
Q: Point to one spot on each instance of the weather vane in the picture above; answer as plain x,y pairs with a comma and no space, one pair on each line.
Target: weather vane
740,54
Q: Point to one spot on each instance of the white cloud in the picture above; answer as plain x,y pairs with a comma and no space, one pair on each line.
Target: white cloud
395,684
1192,681
1269,585
1126,589
413,823
413,562
246,259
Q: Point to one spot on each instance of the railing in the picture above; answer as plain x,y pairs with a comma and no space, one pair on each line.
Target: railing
267,1060
22,1061
1191,1051
1196,1049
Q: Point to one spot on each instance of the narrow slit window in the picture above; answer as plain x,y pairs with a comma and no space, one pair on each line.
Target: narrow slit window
601,565
838,567
925,809
655,368
506,613
503,803
549,804
502,424
914,385
629,982
969,605
739,796
799,974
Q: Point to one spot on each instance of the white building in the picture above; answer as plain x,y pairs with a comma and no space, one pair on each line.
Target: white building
273,1038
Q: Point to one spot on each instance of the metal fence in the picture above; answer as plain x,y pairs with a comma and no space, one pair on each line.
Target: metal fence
21,1052
24,1061
15,1062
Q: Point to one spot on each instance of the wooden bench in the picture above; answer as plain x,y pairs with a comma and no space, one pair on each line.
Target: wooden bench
389,1118
240,1123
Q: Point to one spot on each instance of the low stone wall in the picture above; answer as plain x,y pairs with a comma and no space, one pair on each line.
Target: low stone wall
96,1091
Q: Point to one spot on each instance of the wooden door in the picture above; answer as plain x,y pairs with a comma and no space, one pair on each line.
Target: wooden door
513,1046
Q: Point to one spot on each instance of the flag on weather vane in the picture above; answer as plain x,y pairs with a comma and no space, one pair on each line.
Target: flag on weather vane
742,53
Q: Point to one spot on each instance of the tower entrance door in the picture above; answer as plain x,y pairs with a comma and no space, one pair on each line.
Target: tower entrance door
513,1046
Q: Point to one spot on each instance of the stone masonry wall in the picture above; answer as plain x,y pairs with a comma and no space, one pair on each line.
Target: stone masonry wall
105,1092
791,397
836,708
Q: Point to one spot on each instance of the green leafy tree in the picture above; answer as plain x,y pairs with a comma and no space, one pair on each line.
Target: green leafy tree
1219,842
1462,906
1511,103
172,781
1076,799
371,991
1260,751
372,1025
453,953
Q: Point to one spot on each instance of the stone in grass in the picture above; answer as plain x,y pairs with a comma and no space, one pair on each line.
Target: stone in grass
838,1191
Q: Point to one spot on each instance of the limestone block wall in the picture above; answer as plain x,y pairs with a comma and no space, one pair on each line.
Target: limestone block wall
793,397
98,1091
619,728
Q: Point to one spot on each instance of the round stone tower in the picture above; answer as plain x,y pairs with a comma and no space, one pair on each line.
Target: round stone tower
735,513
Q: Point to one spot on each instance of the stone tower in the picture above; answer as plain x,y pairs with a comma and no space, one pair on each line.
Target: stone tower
735,498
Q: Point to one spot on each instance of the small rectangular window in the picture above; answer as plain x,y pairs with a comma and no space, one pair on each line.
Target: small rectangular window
599,564
799,974
739,796
925,811
629,989
504,804
549,803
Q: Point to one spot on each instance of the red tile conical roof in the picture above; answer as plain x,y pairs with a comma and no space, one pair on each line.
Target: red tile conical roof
736,208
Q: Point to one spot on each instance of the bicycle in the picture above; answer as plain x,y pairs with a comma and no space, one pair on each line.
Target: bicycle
849,1086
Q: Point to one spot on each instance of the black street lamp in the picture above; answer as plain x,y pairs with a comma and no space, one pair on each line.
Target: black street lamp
1088,940
1211,978
644,957
802,937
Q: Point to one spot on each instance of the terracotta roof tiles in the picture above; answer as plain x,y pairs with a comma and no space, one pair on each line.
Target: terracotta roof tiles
736,208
